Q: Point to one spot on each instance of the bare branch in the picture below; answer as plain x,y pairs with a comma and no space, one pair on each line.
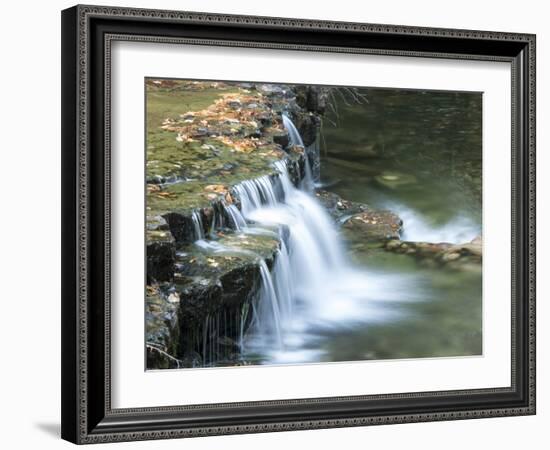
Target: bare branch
158,348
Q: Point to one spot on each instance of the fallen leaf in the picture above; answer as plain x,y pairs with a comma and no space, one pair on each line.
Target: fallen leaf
218,188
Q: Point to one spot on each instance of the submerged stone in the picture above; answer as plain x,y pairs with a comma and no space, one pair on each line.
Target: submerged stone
393,180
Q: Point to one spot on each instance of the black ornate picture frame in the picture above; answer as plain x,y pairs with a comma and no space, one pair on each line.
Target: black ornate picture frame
87,35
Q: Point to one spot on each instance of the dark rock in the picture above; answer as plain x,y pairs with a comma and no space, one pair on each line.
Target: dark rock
255,133
240,285
160,256
210,312
282,138
162,329
198,299
308,125
265,119
181,226
312,98
313,153
156,179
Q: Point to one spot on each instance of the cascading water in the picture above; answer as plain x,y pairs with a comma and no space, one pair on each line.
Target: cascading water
311,286
237,219
296,139
456,231
198,226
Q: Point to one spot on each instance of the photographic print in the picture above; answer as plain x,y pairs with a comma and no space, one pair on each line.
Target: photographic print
294,224
336,203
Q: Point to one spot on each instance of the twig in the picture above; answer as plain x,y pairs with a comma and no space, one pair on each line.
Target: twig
343,96
155,347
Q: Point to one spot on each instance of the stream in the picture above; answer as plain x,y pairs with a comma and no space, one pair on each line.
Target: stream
327,299
417,153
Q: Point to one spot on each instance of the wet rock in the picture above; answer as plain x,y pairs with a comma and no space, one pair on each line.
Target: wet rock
373,225
264,119
160,255
162,330
472,248
157,223
156,179
181,226
296,169
466,256
282,138
198,299
210,310
312,98
240,285
360,223
339,208
308,125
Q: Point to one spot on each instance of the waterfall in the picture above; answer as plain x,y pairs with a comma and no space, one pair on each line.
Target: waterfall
296,139
293,133
314,253
237,220
311,285
198,226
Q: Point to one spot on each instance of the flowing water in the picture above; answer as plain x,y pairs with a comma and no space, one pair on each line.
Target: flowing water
313,290
326,299
417,153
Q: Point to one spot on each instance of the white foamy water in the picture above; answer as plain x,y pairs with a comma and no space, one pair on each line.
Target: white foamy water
312,287
416,228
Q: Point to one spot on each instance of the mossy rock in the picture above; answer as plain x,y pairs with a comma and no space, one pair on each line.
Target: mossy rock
373,225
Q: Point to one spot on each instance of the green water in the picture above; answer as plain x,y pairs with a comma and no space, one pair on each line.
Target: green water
430,142
419,154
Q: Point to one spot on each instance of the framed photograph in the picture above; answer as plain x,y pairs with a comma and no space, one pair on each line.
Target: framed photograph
278,224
